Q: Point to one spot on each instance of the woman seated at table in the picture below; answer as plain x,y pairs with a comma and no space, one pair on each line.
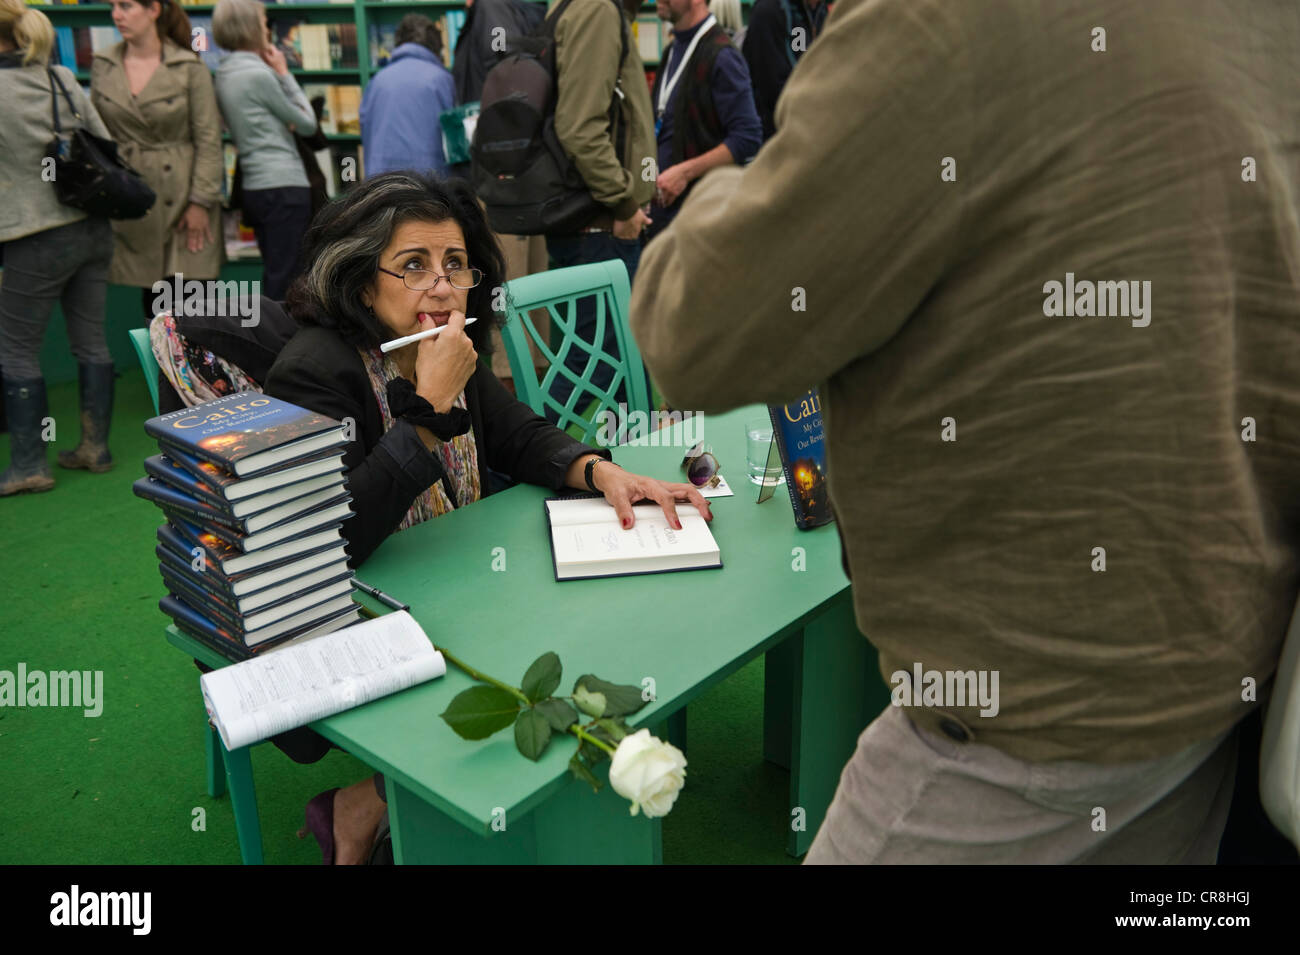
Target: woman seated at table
396,255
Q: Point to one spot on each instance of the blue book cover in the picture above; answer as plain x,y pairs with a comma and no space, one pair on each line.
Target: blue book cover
67,47
166,470
797,430
179,548
246,432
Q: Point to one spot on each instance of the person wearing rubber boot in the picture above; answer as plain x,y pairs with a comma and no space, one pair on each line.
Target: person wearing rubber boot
52,253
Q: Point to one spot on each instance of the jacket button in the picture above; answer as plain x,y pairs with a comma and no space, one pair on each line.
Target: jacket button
167,202
954,730
167,168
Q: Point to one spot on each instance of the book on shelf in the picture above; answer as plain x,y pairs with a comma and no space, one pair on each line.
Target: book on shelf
246,433
801,443
588,541
204,43
342,112
292,686
383,38
316,46
75,46
381,35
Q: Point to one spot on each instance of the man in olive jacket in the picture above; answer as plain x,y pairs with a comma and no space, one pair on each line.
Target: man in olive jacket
592,71
1042,259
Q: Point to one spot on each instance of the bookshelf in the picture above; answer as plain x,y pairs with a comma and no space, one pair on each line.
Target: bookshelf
341,47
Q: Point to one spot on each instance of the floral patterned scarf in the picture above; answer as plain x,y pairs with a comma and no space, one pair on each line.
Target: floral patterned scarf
459,456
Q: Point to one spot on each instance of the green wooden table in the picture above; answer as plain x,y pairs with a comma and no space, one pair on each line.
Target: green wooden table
451,800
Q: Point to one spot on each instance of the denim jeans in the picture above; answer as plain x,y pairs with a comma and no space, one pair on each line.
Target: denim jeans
580,249
67,265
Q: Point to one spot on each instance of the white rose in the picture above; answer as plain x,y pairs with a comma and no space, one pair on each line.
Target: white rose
649,772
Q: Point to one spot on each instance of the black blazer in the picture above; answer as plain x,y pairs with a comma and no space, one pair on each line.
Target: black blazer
386,472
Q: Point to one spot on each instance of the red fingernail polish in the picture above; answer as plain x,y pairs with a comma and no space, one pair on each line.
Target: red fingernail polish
626,523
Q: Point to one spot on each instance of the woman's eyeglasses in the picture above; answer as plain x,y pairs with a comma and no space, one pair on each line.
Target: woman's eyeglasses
701,466
421,280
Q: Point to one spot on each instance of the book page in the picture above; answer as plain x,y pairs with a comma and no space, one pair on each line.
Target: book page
596,510
648,537
258,698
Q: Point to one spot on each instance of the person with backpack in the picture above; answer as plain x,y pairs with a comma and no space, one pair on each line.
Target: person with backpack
479,45
704,108
779,33
583,177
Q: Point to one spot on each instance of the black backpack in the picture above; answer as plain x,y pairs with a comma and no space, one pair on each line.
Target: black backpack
519,169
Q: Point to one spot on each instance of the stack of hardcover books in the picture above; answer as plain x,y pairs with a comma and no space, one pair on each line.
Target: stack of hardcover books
254,494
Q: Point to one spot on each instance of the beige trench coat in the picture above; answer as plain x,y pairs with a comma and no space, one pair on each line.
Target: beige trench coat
171,135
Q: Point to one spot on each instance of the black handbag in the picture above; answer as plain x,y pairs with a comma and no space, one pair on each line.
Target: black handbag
89,174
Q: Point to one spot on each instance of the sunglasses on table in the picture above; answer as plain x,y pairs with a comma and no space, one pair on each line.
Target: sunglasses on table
701,466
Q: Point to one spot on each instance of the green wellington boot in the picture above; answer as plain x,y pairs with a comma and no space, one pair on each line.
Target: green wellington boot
25,411
96,385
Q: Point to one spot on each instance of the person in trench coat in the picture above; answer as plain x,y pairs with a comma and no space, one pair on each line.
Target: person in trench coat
170,132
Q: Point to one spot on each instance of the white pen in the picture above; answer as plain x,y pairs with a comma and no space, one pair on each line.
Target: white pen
427,333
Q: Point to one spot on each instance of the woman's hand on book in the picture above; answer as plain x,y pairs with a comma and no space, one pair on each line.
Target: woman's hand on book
623,489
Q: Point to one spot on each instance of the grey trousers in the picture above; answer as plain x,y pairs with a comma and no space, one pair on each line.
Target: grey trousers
912,797
67,265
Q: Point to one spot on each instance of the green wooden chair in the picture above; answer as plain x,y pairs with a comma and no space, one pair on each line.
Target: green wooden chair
140,339
224,768
558,291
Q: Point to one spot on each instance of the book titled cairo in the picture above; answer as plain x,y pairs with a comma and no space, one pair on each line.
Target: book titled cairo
801,441
247,432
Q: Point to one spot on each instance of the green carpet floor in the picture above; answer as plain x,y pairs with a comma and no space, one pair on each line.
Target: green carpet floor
79,589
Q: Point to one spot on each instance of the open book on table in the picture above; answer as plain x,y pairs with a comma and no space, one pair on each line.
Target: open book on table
588,541
293,685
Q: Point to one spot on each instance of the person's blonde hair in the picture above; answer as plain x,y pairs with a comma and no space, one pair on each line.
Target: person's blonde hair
27,29
237,25
727,13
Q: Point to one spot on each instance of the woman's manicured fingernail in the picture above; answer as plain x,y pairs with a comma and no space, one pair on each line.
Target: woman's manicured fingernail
627,522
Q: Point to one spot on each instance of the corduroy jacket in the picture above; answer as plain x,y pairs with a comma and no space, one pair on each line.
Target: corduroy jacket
587,49
1102,507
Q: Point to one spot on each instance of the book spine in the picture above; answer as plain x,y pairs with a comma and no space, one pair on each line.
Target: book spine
778,435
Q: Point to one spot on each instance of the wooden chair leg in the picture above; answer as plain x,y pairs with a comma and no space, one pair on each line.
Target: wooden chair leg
243,799
216,770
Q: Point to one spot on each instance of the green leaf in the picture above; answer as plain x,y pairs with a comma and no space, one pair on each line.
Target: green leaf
620,700
532,733
542,677
558,713
593,704
592,753
616,728
480,711
580,770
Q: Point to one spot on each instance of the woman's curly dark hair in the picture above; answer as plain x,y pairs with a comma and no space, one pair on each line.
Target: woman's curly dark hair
347,237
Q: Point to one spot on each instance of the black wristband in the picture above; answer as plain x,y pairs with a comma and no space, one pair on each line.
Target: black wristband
405,403
591,466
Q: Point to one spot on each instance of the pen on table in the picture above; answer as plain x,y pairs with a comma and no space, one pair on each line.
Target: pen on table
379,595
427,333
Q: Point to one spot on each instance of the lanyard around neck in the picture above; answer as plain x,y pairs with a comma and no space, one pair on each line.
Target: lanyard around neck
666,90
